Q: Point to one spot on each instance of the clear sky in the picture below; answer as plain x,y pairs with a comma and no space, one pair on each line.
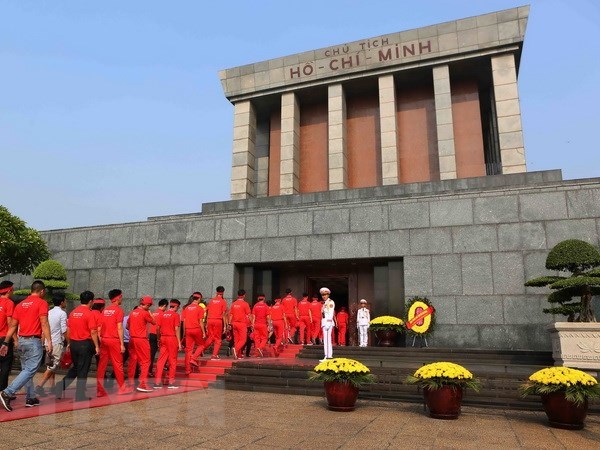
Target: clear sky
112,111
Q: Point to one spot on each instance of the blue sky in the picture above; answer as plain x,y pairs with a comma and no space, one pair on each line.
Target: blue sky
112,111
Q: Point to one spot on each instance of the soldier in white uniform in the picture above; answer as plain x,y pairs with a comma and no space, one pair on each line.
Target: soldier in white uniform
327,322
363,318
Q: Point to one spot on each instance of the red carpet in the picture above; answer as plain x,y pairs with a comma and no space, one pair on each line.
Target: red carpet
207,372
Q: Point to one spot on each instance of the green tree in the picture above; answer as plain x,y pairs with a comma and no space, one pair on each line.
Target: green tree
582,260
21,247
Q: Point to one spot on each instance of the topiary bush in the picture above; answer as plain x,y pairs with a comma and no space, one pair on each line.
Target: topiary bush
577,257
50,270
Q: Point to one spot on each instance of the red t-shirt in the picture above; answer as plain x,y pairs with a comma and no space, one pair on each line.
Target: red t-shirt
82,321
167,322
111,317
98,316
260,311
315,307
156,314
303,308
28,313
342,318
289,304
216,308
193,314
138,320
276,312
6,310
239,311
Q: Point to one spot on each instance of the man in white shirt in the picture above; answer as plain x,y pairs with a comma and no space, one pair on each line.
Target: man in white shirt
57,318
363,318
327,322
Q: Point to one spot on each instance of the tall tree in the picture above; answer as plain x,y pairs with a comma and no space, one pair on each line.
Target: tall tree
21,248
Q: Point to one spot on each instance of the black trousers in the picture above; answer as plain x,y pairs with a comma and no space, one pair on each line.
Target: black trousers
153,349
82,353
6,363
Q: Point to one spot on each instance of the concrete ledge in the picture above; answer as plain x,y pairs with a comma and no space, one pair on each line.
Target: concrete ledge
385,192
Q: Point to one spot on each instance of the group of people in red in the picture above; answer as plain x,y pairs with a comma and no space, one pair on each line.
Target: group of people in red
106,332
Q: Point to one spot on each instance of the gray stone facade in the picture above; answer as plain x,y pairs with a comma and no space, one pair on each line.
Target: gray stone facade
467,244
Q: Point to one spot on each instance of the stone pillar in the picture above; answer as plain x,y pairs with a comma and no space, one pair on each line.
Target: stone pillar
444,122
338,159
290,145
388,129
243,162
262,176
508,111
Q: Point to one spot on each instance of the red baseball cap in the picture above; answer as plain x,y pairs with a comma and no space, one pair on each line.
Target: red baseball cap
147,300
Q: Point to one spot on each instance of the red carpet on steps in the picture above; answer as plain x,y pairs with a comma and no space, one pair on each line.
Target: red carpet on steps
206,373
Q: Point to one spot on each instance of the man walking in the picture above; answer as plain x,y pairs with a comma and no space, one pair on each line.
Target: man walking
195,332
163,304
290,308
112,343
30,321
278,321
167,329
139,346
315,313
305,319
6,312
216,311
57,318
82,338
238,318
260,313
342,323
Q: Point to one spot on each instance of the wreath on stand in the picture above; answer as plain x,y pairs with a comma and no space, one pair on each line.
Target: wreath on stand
420,317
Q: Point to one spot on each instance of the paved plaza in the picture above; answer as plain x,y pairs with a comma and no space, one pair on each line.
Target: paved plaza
220,419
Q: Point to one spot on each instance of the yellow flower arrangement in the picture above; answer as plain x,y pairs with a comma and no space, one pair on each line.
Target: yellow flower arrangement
436,375
386,323
577,385
343,370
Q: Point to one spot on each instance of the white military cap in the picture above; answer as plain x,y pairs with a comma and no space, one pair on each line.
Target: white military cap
324,290
362,300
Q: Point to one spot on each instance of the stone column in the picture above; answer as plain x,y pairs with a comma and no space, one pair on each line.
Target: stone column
444,122
508,111
243,162
388,129
262,176
338,159
290,145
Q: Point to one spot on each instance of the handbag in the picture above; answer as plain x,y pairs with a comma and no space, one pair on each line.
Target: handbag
66,360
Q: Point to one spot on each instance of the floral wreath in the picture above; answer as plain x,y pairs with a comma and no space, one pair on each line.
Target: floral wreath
420,316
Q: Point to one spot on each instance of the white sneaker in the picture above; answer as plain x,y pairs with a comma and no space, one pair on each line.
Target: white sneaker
323,360
172,386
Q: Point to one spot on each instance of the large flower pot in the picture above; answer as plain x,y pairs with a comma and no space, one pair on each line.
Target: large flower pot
575,344
563,413
386,338
443,403
340,396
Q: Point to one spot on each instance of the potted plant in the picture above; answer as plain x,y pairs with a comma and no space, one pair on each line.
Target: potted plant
565,393
574,342
386,328
443,384
341,377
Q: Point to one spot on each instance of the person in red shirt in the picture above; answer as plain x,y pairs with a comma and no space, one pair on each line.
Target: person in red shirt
167,328
260,326
278,320
290,307
193,322
315,311
30,318
112,345
163,304
216,322
342,318
82,340
6,312
305,319
98,305
238,318
139,346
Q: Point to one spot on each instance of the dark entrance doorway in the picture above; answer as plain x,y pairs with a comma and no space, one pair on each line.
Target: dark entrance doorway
337,284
